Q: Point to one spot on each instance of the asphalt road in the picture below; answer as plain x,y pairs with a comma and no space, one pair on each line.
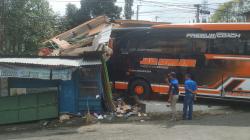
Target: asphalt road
221,127
211,122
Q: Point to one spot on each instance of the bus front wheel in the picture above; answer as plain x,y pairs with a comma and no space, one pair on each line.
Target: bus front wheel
139,88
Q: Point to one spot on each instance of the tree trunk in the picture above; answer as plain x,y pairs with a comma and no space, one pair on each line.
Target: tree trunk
1,26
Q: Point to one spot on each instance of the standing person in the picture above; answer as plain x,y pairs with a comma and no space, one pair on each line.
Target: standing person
173,93
190,96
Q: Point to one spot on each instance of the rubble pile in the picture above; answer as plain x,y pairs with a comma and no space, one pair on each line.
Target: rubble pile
125,110
83,38
88,37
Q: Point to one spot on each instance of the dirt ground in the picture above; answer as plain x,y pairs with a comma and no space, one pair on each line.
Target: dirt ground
211,122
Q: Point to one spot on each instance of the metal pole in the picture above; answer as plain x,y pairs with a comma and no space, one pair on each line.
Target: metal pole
137,12
156,18
197,12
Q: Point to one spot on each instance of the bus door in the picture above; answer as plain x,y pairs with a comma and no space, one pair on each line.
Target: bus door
207,73
118,63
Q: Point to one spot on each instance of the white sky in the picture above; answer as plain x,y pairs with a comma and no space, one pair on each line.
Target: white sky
176,11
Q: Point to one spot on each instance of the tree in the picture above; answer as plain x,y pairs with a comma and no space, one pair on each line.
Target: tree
1,23
71,15
84,12
27,24
231,11
93,8
128,12
90,9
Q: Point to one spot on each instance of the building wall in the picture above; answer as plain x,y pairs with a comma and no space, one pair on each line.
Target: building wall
3,87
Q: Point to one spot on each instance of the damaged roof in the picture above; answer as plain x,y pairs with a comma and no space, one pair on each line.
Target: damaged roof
88,36
88,28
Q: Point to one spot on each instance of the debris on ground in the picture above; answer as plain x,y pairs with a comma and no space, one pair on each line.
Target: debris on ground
125,110
45,123
89,118
64,117
142,121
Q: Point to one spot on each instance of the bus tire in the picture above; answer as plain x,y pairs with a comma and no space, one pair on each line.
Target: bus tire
140,88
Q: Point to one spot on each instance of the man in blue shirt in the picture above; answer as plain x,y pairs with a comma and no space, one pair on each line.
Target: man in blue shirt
190,93
173,93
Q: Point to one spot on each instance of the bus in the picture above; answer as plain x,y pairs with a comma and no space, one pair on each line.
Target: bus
216,55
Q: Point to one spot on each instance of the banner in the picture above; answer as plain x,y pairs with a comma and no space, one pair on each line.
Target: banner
35,73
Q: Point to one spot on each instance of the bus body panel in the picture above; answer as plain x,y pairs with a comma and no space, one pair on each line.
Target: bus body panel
218,60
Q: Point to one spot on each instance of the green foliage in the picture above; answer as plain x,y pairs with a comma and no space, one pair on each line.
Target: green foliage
91,9
128,12
27,23
71,16
101,7
229,12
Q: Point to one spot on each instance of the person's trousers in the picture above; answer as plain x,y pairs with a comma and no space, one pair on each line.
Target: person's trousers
174,100
188,106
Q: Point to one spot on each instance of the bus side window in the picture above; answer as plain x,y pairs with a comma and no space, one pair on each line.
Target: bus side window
172,47
121,47
128,45
200,46
247,47
132,45
227,46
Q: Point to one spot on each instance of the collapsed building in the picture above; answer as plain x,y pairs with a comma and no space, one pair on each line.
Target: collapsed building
90,36
69,75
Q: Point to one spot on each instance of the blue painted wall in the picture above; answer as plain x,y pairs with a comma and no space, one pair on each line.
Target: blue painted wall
67,97
70,100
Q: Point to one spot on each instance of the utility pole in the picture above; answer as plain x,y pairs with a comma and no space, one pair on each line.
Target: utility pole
204,11
137,12
199,11
156,18
198,6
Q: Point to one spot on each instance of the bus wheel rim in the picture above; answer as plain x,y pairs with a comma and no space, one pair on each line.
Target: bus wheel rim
139,90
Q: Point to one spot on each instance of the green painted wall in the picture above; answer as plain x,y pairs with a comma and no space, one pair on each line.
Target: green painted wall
29,107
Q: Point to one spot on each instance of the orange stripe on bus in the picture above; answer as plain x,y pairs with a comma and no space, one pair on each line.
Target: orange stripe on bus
187,63
160,89
207,26
226,57
208,91
169,62
164,88
121,85
149,61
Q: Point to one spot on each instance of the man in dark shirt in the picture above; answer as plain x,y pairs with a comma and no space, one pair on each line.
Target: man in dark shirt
190,93
173,93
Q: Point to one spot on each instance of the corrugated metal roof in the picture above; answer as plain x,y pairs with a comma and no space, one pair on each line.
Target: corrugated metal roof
50,61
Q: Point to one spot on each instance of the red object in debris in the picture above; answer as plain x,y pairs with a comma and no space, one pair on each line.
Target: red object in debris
45,52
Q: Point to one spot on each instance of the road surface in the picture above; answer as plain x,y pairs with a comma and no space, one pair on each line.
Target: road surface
215,123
